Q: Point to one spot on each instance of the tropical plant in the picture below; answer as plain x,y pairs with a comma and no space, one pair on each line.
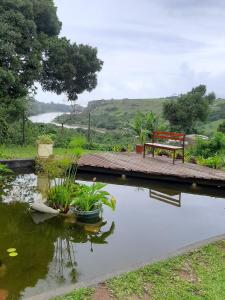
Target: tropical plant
92,197
62,175
145,123
60,196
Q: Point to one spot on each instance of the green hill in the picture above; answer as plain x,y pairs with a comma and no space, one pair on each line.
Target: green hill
114,114
118,114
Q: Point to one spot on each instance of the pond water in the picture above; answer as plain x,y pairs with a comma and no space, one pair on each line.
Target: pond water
151,220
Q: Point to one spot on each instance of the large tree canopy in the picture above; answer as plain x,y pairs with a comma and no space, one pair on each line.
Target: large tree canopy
188,109
69,68
30,51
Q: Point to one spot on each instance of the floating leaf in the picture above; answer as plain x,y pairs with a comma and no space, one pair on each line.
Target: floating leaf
13,254
11,250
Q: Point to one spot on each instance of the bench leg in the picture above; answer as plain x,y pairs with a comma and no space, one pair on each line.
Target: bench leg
153,151
174,153
183,156
144,152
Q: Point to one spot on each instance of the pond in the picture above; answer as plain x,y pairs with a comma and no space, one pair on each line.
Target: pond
151,221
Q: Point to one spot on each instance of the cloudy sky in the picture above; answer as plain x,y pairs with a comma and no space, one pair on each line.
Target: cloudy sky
150,48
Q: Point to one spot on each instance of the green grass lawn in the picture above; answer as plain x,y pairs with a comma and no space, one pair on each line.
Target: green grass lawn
199,274
13,151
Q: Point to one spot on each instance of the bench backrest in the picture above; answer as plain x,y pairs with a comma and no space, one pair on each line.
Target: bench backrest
168,136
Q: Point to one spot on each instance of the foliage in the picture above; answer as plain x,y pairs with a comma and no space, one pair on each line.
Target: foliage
145,124
44,139
91,197
37,107
25,28
4,171
70,68
60,196
215,162
221,127
78,141
187,110
211,147
210,152
80,294
30,50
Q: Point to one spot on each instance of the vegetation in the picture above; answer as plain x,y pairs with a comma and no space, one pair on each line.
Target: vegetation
92,197
145,124
31,51
4,170
120,113
187,110
63,190
195,275
36,107
44,139
221,127
210,152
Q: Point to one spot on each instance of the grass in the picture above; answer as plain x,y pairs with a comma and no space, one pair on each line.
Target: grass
14,151
81,294
196,275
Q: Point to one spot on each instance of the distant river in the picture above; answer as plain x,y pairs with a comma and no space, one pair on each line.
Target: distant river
49,118
45,118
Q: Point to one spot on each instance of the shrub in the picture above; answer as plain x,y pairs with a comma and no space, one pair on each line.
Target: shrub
44,139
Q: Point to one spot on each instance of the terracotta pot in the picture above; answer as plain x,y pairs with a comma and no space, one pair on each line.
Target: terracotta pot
139,149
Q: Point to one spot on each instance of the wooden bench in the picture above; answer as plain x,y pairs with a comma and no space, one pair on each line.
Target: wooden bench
162,135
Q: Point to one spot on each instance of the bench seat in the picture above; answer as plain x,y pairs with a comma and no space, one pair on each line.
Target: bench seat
162,135
164,146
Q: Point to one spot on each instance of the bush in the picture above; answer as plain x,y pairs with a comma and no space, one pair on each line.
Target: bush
209,153
215,162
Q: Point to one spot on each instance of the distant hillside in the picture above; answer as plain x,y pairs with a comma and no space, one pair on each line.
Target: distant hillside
118,114
114,114
37,107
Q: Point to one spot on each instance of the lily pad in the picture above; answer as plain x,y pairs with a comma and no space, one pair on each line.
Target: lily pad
11,250
13,254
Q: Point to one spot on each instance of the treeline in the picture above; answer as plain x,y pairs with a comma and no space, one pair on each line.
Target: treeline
37,107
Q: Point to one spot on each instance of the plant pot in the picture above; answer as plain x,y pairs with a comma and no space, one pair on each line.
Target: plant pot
45,150
87,215
139,149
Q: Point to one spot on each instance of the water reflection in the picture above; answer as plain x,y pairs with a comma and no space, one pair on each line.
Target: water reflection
168,196
46,250
59,250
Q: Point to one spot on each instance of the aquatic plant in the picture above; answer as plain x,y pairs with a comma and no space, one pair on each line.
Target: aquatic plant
92,197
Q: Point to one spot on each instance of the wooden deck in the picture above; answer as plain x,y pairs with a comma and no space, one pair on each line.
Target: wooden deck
160,168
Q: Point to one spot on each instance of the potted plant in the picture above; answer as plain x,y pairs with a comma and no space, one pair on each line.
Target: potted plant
138,127
141,140
45,146
89,201
61,174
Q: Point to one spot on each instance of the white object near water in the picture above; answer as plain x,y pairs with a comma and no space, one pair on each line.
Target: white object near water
42,208
45,150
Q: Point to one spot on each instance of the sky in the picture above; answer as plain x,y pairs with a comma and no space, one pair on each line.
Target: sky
150,48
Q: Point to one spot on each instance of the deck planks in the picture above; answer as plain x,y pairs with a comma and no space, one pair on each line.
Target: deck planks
162,168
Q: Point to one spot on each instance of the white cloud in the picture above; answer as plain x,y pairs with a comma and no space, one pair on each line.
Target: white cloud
149,48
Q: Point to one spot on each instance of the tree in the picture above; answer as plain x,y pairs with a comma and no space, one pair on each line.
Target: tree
31,51
187,110
69,68
29,47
